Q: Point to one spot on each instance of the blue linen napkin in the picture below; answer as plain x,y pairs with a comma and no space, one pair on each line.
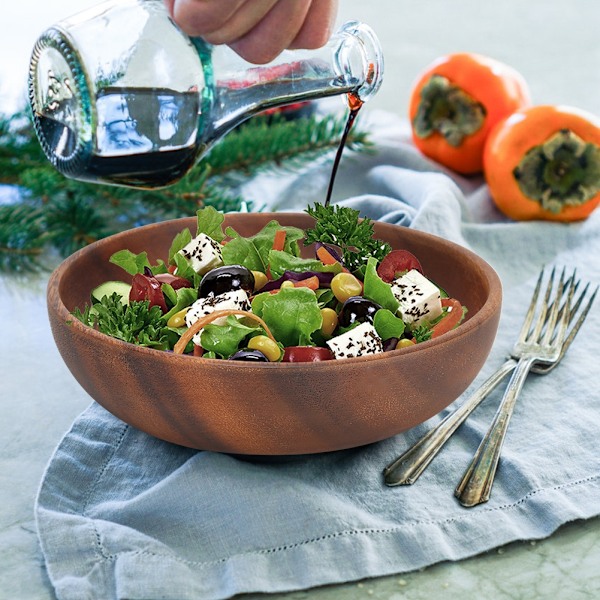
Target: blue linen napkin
123,515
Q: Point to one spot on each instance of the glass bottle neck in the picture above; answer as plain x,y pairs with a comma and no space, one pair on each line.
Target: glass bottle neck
351,62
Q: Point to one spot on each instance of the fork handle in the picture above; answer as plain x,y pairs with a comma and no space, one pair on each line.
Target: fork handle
406,469
476,484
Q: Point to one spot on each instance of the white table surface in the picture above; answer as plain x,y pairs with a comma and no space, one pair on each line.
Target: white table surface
554,44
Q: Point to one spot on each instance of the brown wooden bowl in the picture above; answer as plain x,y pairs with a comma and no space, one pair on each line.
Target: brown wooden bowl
274,408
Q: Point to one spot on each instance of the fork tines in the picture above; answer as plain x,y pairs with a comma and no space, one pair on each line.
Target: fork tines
552,312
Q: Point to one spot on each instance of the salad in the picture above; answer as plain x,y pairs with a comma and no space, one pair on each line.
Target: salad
223,296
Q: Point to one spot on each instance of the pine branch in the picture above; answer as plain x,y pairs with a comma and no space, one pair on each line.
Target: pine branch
264,143
22,238
19,148
65,214
72,223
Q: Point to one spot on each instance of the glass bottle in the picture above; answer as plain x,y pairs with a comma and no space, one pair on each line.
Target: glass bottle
120,95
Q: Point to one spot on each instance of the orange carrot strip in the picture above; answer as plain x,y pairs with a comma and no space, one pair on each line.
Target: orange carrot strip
213,316
279,239
326,257
310,282
278,244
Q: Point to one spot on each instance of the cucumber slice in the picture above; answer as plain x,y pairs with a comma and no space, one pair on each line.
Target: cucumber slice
109,287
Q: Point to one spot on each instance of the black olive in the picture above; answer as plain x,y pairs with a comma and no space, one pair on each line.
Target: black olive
250,355
357,310
226,279
390,344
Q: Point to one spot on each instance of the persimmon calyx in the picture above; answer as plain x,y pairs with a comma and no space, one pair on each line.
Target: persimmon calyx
563,171
447,109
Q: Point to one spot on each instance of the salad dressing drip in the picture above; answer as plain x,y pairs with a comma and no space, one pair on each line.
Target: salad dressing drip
355,104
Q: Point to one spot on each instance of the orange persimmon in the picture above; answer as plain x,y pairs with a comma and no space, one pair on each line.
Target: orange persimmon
543,163
457,101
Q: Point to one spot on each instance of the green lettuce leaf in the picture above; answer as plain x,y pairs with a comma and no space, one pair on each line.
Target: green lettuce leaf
185,270
169,293
182,239
388,325
377,290
183,297
224,340
292,315
325,298
253,252
130,262
280,262
136,263
242,251
210,222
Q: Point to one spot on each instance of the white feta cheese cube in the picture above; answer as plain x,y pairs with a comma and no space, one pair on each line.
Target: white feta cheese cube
235,300
419,298
204,253
359,341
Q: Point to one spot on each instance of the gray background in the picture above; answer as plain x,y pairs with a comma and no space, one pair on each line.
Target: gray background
554,44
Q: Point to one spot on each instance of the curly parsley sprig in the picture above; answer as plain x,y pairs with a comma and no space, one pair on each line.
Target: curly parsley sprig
342,227
136,322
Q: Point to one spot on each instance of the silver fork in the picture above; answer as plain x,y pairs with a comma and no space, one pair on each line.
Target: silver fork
540,341
407,468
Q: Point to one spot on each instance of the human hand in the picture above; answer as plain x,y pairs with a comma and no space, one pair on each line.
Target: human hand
258,30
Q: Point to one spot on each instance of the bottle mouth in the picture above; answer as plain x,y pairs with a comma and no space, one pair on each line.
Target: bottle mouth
60,102
360,52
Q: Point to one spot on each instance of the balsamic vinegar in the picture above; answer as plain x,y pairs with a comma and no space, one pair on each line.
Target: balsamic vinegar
355,104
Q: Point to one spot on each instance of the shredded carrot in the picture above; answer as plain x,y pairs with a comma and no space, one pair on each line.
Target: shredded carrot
326,257
279,239
278,244
311,283
213,316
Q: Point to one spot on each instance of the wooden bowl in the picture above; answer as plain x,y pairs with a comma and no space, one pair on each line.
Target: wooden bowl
272,409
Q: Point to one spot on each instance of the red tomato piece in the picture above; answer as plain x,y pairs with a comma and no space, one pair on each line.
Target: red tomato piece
451,320
145,287
307,354
396,262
